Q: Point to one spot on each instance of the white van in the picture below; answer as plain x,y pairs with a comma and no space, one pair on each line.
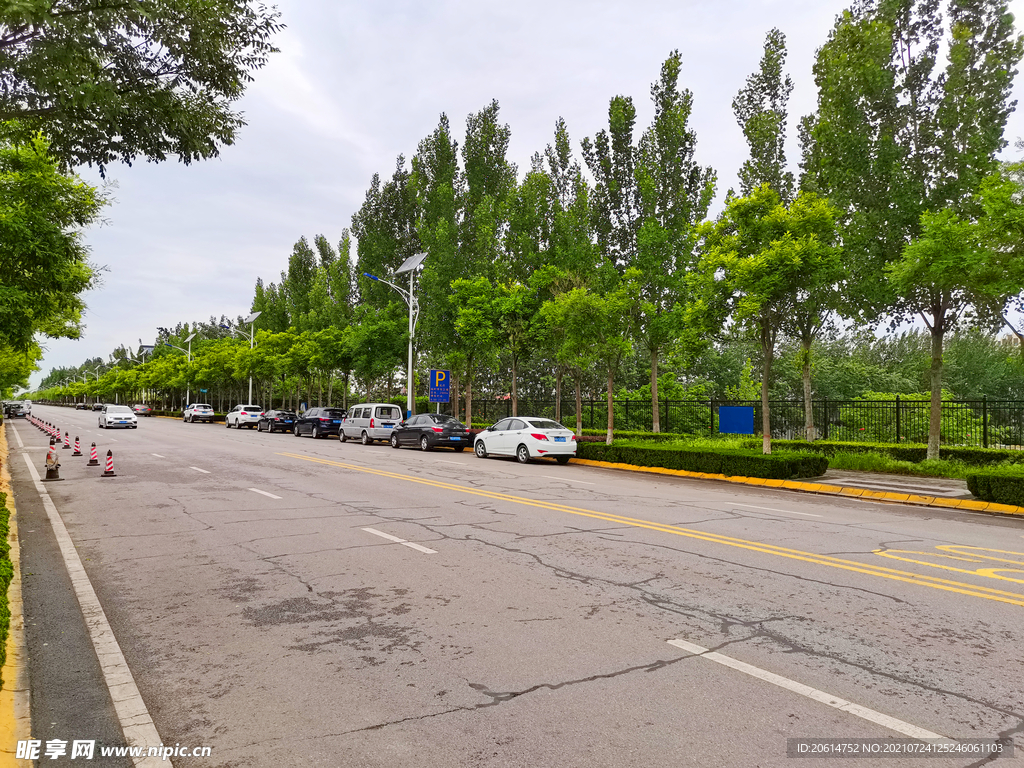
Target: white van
370,421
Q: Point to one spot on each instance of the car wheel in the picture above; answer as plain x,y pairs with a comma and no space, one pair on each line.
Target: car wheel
259,426
227,424
480,449
522,454
394,440
342,436
315,434
185,419
295,430
365,439
424,444
100,423
270,427
563,460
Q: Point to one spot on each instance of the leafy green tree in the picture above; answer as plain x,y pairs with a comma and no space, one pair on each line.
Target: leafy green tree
44,268
760,109
673,195
476,332
763,265
515,306
115,81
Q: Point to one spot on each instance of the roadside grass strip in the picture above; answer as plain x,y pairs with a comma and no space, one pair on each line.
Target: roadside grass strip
821,488
886,721
946,585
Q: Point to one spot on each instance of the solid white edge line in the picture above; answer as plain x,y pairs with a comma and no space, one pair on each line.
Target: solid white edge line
204,471
136,722
411,545
822,697
552,477
17,436
257,490
772,509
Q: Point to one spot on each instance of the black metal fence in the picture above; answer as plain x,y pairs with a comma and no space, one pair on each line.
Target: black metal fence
980,423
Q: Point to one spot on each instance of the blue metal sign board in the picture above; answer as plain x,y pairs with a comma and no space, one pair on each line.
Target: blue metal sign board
736,420
440,386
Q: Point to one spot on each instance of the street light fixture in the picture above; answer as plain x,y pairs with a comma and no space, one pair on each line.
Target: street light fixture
409,265
188,358
251,322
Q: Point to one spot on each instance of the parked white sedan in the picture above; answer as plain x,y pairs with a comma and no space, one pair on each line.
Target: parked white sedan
527,437
118,416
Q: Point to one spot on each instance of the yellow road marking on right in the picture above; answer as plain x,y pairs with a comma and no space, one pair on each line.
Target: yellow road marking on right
946,585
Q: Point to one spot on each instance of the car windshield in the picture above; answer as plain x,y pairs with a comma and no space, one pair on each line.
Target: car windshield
118,409
201,405
545,424
285,414
252,408
387,412
334,413
442,418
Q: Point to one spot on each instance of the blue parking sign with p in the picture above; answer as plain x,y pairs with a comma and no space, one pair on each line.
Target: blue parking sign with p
440,386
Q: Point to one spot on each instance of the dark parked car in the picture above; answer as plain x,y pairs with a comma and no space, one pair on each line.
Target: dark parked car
276,421
319,422
431,430
81,406
97,406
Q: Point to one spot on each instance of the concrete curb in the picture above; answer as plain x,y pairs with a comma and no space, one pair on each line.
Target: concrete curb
821,488
15,715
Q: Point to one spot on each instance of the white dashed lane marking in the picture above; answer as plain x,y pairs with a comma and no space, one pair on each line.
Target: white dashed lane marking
403,542
159,456
772,509
552,477
257,490
197,469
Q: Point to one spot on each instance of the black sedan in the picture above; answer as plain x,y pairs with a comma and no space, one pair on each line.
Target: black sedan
319,422
431,430
276,421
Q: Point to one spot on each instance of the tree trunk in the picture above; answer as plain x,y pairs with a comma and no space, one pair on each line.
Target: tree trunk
935,421
515,391
344,395
655,415
469,400
766,370
453,394
558,395
808,407
611,408
579,407
320,389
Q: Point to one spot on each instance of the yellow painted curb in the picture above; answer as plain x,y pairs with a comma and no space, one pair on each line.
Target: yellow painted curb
820,488
15,719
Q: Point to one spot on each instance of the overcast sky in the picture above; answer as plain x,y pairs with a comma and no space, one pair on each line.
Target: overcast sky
358,83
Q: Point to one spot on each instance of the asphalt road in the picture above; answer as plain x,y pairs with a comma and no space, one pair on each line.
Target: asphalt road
260,617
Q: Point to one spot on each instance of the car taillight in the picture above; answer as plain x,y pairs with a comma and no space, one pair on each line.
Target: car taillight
438,429
538,436
371,423
325,421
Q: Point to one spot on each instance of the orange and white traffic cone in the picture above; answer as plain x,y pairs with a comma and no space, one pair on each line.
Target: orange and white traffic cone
109,471
67,441
52,465
94,460
78,447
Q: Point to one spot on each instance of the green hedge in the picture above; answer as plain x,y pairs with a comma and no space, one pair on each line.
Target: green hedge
787,466
913,452
6,574
1002,486
653,437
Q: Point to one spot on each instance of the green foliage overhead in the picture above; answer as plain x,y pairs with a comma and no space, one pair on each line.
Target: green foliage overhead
111,82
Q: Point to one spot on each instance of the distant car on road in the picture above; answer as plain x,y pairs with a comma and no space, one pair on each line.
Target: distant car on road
118,416
276,421
527,438
319,422
81,406
97,406
431,430
141,409
197,412
243,416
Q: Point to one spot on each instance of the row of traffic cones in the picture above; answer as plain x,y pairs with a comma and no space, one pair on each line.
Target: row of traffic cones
53,465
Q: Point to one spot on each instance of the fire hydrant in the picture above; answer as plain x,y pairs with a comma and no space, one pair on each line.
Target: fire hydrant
52,464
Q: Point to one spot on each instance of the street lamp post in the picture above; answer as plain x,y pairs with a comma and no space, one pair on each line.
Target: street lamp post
251,321
188,359
409,296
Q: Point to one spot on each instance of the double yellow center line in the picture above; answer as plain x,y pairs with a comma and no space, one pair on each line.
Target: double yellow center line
907,577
